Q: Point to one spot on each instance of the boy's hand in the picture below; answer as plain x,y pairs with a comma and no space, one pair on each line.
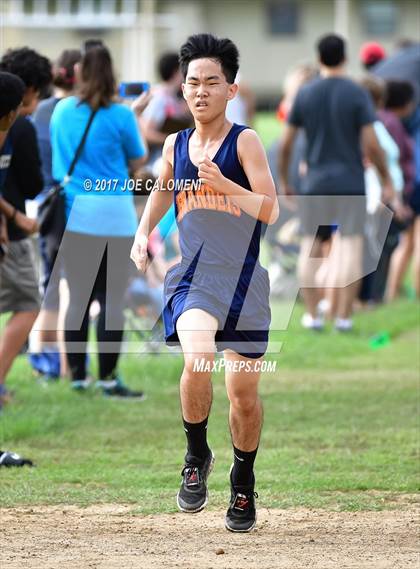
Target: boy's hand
210,174
139,252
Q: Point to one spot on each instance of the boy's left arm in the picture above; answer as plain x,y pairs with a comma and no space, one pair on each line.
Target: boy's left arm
262,202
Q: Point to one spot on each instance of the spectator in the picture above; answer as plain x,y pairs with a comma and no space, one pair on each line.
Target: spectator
373,286
399,105
336,115
19,284
100,225
371,53
167,111
47,355
11,93
12,90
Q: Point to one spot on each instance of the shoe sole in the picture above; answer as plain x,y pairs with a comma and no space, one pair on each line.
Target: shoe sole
199,509
241,530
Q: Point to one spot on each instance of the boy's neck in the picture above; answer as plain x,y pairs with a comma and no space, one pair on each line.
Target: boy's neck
211,131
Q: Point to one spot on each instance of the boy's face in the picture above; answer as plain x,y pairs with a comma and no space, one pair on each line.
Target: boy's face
206,89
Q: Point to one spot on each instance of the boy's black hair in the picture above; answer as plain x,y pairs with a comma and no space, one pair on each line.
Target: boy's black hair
331,50
398,94
34,69
168,65
207,45
12,90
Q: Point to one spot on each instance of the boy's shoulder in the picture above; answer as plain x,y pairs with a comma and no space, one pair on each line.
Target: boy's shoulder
248,139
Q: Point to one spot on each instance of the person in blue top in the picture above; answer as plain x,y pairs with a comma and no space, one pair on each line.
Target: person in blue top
217,296
101,217
48,361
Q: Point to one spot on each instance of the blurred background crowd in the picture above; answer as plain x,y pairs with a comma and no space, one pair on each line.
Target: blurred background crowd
61,64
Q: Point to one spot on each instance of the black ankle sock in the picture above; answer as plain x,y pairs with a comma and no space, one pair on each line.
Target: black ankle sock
243,467
197,439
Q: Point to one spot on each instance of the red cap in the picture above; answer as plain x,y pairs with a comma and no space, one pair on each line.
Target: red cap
371,53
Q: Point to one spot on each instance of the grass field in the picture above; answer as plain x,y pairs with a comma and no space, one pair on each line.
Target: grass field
268,127
341,427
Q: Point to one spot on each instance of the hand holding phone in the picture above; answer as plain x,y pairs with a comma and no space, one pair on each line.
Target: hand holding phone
131,90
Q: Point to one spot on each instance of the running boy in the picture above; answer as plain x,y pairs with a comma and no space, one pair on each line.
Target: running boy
217,296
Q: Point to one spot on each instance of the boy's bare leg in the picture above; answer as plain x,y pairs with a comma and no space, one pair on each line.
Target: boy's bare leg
196,331
245,411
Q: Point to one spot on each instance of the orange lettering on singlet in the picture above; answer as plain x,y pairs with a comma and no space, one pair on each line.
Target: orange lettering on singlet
211,197
200,197
221,204
181,199
205,198
192,202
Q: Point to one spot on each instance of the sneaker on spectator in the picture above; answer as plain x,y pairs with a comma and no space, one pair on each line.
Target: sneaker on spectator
81,385
311,323
343,324
116,389
323,308
8,459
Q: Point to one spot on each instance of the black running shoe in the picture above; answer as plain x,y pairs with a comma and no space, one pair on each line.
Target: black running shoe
241,515
117,390
9,459
193,494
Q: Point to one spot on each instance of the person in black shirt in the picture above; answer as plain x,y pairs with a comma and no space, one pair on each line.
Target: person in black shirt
337,118
11,94
18,280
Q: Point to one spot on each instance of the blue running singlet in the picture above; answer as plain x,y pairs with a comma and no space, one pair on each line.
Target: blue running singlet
219,271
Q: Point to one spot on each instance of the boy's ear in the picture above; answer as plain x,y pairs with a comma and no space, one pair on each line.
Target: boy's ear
233,89
183,90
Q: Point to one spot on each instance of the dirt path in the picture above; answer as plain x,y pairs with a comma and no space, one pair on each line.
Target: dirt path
109,536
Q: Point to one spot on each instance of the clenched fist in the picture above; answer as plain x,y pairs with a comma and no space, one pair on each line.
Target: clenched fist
139,252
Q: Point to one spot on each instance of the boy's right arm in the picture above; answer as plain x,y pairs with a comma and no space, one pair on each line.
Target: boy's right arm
157,205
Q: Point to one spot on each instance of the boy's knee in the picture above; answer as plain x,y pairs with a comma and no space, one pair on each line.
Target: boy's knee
243,403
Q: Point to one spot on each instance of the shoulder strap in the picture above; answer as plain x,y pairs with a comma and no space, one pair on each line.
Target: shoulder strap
80,147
